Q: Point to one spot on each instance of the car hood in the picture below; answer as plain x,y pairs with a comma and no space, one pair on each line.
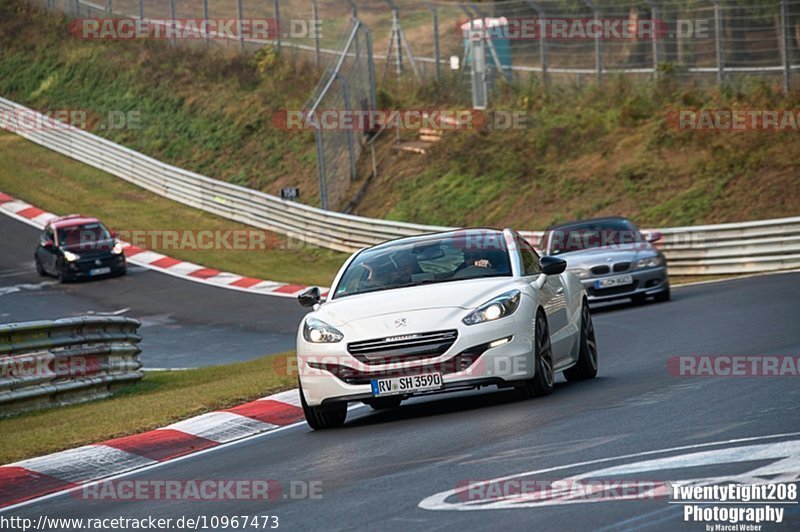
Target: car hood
462,295
608,255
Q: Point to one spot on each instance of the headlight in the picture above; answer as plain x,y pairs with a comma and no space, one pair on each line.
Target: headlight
499,307
650,262
117,249
582,273
70,256
318,332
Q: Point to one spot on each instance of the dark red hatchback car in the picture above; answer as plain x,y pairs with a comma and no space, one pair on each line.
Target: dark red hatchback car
78,247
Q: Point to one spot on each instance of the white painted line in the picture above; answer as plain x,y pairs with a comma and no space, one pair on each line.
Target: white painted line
291,397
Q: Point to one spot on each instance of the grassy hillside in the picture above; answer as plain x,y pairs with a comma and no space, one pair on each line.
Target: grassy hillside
588,151
600,150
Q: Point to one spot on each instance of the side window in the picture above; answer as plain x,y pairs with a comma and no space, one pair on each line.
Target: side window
47,234
530,260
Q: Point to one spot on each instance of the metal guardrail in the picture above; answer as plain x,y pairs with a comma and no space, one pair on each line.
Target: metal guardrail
711,249
66,361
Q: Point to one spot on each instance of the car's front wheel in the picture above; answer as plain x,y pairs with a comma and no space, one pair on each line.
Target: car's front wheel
61,269
586,367
544,378
40,268
323,417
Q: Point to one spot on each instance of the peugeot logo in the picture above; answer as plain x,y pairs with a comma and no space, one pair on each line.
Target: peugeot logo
400,322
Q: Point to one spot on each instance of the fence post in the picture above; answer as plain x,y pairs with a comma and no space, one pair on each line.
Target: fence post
654,16
278,25
350,140
141,9
110,7
240,16
323,187
435,15
205,17
787,59
598,52
718,41
315,18
172,17
542,40
370,68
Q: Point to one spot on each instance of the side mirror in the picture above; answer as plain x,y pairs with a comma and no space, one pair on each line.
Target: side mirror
552,265
654,236
310,297
48,244
113,234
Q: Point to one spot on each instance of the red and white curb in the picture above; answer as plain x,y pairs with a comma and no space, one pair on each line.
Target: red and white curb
38,218
36,477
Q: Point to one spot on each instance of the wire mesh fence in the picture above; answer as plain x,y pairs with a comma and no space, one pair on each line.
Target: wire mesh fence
360,44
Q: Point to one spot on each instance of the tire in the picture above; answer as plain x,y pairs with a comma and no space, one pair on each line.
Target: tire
327,417
586,367
61,274
662,296
543,380
384,403
40,269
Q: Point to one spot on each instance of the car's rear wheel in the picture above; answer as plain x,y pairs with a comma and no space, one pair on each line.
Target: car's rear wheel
384,403
323,417
586,368
544,378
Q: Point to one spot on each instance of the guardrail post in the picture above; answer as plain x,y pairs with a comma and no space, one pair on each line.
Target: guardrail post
278,25
141,9
240,16
718,41
787,67
315,19
109,7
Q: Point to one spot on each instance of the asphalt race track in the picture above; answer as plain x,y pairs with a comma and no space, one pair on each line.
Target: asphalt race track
392,470
184,324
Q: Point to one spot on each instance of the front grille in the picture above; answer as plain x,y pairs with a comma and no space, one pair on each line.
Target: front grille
622,266
408,347
600,270
460,362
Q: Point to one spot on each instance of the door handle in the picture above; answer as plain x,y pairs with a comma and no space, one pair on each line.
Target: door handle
559,291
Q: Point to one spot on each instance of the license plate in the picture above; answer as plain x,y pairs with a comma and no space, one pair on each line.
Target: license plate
100,271
403,385
614,281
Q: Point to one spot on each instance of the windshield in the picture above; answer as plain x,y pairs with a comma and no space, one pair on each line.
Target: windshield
439,259
86,236
592,235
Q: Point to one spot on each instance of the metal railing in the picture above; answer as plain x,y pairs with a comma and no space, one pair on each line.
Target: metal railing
712,249
66,361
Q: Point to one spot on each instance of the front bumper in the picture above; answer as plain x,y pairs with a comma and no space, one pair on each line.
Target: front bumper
499,365
646,283
82,269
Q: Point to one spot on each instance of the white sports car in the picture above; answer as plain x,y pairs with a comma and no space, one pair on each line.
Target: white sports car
437,313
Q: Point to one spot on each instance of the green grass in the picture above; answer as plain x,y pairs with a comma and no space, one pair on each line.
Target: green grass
159,399
61,185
